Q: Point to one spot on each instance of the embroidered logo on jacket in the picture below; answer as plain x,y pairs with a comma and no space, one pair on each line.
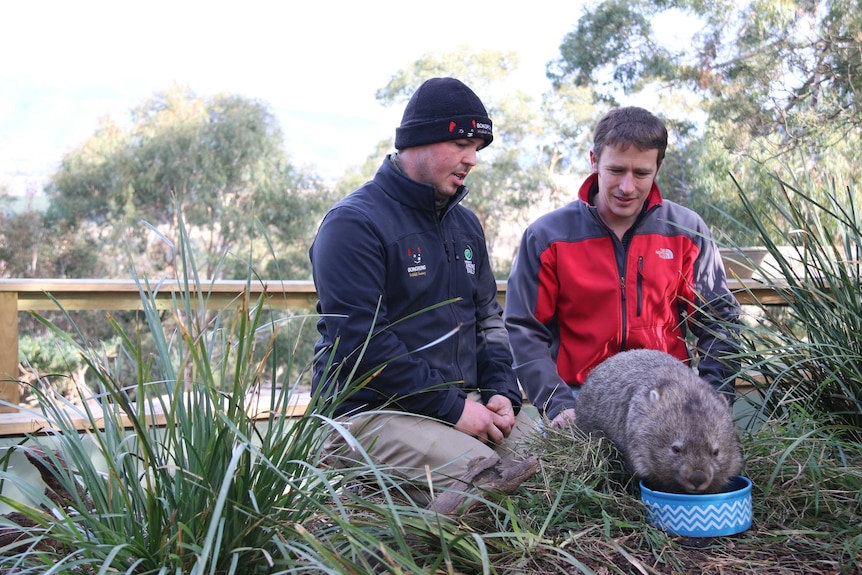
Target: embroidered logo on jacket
665,253
468,260
417,268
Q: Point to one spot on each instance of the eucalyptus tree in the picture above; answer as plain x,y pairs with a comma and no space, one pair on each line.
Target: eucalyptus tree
21,235
773,84
219,160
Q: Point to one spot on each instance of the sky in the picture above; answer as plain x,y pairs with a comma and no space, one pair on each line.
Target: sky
66,64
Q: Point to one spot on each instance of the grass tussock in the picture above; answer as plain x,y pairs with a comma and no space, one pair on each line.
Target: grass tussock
805,356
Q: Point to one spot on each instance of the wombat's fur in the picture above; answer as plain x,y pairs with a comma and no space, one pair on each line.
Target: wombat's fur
674,430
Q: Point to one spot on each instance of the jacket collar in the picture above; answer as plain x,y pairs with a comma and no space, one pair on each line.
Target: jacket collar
409,192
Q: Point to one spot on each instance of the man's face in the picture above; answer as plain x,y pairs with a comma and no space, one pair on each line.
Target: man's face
444,165
625,179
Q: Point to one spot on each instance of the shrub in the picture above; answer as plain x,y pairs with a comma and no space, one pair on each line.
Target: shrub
806,357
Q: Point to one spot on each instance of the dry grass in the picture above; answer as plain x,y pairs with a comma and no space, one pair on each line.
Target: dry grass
583,512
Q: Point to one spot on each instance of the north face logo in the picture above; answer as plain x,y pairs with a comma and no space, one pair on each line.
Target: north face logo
665,253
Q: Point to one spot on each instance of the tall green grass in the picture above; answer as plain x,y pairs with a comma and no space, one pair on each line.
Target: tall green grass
178,471
805,357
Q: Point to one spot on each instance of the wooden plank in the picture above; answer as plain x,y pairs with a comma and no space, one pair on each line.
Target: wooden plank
123,294
8,350
25,422
112,295
753,292
130,285
17,295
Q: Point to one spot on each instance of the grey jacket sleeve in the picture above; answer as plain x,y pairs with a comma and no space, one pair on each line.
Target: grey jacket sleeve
715,321
533,342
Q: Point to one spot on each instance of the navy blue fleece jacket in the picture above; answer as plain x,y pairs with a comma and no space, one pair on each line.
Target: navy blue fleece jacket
382,255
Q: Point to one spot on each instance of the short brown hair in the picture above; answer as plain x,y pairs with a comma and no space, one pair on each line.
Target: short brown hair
630,126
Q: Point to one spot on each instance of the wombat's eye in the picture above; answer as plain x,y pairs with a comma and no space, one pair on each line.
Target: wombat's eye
676,448
715,452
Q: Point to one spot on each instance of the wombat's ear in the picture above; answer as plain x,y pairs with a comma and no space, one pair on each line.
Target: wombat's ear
663,382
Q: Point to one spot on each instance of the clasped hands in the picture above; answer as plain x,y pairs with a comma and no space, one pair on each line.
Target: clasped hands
490,422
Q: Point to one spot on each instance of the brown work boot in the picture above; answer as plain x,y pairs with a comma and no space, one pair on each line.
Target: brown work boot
488,474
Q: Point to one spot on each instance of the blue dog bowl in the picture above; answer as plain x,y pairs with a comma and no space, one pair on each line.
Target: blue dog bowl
707,515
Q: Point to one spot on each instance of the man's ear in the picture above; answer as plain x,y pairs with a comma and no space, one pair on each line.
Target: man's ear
594,162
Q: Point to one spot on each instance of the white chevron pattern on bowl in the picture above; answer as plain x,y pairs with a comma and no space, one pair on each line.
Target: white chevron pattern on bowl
710,515
679,518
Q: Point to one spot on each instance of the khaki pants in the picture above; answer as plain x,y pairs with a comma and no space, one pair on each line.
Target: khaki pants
403,445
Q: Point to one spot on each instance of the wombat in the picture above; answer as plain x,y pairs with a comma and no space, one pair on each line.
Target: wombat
675,431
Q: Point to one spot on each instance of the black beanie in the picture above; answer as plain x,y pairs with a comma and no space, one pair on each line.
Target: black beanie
443,109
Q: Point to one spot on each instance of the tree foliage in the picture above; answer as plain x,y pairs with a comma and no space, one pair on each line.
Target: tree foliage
767,66
775,85
220,158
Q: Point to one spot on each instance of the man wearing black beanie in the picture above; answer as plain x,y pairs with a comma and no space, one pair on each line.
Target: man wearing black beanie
402,261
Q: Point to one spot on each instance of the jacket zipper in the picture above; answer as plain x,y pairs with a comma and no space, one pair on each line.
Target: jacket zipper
623,315
639,280
640,283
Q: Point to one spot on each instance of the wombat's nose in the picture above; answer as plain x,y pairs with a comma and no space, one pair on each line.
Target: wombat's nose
699,480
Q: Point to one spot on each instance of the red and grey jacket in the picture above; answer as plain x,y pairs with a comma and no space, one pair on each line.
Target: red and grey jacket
577,295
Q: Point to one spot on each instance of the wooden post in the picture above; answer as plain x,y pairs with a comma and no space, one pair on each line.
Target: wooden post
8,350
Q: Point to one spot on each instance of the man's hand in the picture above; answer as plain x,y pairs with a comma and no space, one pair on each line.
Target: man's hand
564,418
502,407
490,423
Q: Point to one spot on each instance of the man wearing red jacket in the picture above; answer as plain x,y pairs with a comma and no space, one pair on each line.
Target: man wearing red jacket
619,268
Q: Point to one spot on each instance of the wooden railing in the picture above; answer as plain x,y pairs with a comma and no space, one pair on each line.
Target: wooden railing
23,295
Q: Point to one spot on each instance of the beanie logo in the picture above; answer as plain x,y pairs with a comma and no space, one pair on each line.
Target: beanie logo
471,130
